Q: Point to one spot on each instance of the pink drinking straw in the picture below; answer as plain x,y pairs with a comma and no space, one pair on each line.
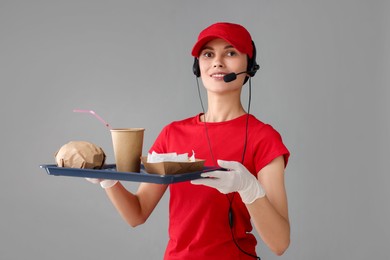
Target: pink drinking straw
93,113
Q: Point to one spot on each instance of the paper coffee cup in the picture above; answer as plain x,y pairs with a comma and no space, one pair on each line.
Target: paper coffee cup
127,144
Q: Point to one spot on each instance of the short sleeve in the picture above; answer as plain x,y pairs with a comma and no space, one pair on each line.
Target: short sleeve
268,147
160,144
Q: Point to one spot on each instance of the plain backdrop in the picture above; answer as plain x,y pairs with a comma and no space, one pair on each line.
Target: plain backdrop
323,84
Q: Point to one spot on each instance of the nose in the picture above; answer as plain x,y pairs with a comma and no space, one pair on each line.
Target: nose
218,62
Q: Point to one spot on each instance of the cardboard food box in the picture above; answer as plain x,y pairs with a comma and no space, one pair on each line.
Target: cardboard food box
170,168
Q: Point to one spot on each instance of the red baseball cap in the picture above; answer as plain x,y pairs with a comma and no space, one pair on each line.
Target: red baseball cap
234,34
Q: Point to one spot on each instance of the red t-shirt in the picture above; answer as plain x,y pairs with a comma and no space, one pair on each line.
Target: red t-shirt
198,215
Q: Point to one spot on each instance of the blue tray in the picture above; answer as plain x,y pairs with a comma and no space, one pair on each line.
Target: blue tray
109,172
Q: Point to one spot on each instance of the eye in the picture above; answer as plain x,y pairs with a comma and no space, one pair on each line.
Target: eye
231,53
207,54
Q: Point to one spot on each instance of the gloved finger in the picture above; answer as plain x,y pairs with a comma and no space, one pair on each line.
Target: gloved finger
208,178
230,165
214,174
201,181
107,183
215,183
211,182
93,180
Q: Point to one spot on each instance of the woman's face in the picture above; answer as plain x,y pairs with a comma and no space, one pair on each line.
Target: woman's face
217,59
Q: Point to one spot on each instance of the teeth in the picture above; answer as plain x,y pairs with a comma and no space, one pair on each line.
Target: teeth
218,75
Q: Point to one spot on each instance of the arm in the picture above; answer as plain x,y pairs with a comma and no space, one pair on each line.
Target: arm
267,206
136,208
269,214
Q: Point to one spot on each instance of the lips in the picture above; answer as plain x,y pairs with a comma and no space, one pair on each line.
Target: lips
218,75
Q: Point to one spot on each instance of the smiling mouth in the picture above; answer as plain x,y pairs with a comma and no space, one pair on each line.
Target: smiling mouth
218,75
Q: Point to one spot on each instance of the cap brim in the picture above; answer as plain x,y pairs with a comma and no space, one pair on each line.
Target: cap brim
200,43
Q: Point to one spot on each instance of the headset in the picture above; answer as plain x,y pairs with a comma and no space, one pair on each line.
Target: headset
251,69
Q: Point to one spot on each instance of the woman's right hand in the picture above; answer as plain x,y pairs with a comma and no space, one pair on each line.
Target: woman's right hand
105,184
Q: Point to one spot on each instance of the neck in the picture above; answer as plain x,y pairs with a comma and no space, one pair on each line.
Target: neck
220,110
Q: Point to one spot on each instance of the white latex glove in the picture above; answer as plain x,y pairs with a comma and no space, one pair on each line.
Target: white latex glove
103,183
236,179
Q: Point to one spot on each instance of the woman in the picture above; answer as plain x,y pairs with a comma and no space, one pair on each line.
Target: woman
210,218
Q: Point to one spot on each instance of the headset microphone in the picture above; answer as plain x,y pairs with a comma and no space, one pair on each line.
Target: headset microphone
232,76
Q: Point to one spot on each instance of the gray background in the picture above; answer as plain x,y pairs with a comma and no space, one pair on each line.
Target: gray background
324,84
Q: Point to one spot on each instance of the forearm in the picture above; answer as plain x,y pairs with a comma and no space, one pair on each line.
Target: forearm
127,204
135,209
273,228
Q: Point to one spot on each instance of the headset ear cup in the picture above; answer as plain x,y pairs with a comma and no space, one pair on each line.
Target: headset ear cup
253,70
253,67
250,67
195,67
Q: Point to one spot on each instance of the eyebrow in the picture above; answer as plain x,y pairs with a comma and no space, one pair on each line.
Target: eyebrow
210,48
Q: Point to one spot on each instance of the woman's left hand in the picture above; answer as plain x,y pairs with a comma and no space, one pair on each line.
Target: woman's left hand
236,179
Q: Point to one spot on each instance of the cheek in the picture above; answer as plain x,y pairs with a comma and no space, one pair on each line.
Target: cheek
205,78
241,78
203,66
241,66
